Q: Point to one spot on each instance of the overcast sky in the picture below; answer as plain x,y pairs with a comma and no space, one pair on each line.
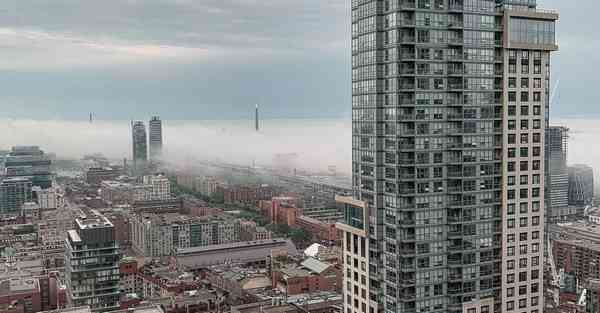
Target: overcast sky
215,59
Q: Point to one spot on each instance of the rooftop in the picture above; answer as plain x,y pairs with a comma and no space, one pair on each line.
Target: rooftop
92,219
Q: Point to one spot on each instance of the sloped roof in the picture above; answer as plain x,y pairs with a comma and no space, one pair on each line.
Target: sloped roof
315,265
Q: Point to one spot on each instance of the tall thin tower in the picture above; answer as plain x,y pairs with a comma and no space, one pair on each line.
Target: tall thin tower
256,122
139,145
155,138
449,99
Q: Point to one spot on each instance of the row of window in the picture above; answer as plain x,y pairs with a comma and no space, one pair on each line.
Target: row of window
523,222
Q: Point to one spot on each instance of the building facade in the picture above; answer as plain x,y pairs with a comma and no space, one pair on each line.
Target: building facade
29,162
140,145
157,235
92,263
14,192
581,185
155,138
160,187
557,175
450,106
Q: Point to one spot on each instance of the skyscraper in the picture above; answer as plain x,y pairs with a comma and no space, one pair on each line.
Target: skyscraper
557,175
140,145
581,185
156,138
449,101
92,263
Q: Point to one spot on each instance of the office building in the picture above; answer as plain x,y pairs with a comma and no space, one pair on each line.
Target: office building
155,138
14,192
581,185
557,175
159,186
29,162
92,263
449,101
140,146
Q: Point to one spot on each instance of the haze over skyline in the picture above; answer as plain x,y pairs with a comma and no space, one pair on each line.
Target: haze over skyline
214,59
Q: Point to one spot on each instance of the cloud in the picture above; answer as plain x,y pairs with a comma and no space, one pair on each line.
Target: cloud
66,33
318,143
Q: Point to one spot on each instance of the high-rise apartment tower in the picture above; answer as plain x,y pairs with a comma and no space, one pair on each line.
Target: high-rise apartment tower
155,138
450,103
92,258
140,145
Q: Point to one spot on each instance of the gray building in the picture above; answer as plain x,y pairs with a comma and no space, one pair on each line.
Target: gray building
557,173
156,138
140,146
29,162
92,263
13,193
449,109
581,185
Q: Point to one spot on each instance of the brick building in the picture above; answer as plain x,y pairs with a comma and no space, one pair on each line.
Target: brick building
323,231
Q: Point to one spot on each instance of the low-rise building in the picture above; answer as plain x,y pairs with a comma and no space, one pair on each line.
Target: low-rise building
156,235
309,276
323,231
96,175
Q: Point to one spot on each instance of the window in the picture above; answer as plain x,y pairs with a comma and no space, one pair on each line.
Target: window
524,179
523,249
510,166
512,139
535,288
510,194
524,96
510,292
510,264
523,193
510,238
535,235
535,274
535,247
536,151
534,301
523,222
536,178
522,277
512,96
523,263
510,251
537,110
523,236
511,180
522,303
535,206
537,124
524,82
524,152
536,138
512,124
535,192
537,83
536,165
523,207
524,124
512,82
510,305
524,166
522,290
512,152
510,209
537,96
510,278
524,138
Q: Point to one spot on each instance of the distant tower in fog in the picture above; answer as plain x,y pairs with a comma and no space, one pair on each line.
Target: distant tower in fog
155,138
256,125
140,145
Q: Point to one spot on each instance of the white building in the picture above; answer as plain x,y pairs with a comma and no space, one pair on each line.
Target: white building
48,199
160,187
